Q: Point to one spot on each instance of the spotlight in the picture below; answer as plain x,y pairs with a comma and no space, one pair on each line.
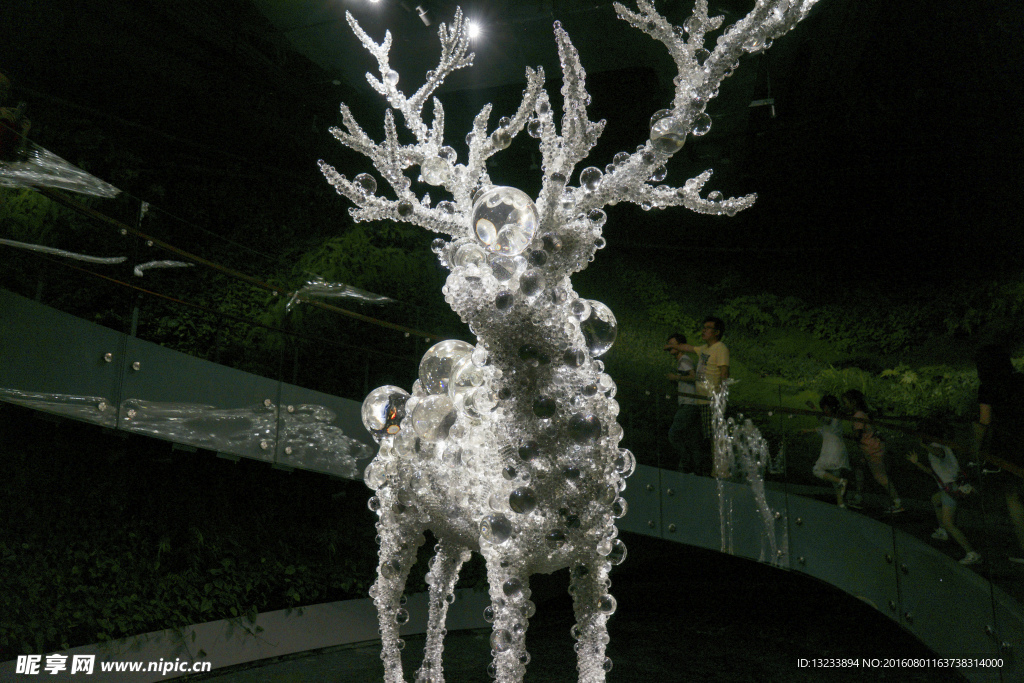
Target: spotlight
473,28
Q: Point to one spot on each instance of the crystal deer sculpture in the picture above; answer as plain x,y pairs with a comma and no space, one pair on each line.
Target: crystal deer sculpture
511,447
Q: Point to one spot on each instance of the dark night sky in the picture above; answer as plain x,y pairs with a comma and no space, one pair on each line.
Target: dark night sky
897,147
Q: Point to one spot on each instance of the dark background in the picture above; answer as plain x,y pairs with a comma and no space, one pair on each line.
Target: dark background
895,153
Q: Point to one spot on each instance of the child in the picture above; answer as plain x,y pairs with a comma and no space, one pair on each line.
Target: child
833,462
871,444
946,471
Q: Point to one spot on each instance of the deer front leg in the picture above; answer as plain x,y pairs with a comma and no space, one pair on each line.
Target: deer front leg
444,573
588,585
397,554
511,608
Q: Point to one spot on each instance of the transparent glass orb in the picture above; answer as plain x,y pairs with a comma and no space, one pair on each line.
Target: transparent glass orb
505,220
531,283
383,411
466,376
501,640
502,267
590,178
470,254
599,328
366,183
435,171
668,133
701,125
433,417
522,500
495,529
439,362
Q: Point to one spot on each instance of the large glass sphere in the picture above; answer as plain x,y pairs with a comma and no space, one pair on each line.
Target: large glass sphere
383,411
668,133
599,328
438,363
505,220
433,417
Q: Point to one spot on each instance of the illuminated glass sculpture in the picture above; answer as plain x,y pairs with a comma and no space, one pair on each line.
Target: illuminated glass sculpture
511,447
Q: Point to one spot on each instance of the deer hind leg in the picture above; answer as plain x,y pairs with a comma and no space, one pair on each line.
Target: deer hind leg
397,555
444,572
592,604
511,610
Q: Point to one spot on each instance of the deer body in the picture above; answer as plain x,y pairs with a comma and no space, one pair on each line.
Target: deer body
510,448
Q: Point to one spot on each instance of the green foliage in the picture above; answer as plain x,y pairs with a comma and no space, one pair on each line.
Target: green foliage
99,546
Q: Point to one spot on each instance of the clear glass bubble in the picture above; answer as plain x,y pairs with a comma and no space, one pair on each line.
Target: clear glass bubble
466,376
659,174
489,614
522,500
599,329
366,182
580,308
502,267
555,539
401,616
373,475
470,254
495,529
383,410
391,77
668,133
433,417
501,139
531,283
534,128
529,450
438,363
590,178
447,207
537,257
512,588
618,552
584,427
504,301
607,604
701,125
619,507
505,219
715,196
435,171
501,640
607,664
544,406
405,208
625,463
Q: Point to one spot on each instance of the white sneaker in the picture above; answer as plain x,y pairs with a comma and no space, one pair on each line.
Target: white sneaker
940,534
971,558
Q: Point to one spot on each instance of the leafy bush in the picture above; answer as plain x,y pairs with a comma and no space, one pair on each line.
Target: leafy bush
107,537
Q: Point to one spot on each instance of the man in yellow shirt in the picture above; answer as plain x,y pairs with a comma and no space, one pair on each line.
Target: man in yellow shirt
712,356
712,366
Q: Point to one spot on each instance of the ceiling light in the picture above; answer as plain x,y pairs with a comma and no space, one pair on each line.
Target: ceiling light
473,29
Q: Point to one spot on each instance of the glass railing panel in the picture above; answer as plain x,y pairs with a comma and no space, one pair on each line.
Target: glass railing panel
180,398
58,363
